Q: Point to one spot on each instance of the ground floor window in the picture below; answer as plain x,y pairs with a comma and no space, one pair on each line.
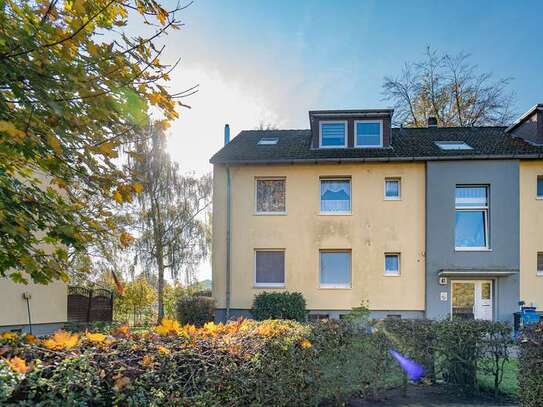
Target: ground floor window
270,268
335,268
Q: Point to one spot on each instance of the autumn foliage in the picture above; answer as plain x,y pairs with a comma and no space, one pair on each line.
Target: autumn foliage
76,91
238,363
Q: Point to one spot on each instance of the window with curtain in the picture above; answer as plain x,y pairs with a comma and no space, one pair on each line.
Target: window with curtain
392,188
333,134
335,269
471,227
270,195
269,268
368,134
392,264
335,195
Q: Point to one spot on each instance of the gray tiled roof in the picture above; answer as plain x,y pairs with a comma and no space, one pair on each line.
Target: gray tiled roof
407,144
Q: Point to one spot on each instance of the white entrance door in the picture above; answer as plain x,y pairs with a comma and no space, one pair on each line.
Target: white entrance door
472,299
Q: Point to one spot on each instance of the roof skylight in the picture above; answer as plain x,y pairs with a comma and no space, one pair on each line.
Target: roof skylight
268,140
453,145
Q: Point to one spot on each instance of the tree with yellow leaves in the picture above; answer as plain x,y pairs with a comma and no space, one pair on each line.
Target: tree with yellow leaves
75,90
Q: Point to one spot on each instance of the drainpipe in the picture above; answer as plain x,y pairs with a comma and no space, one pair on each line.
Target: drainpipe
228,226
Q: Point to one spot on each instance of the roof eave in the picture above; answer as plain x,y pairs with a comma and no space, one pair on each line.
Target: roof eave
377,159
521,119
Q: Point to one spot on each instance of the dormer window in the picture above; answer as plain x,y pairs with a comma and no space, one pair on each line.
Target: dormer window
368,133
333,134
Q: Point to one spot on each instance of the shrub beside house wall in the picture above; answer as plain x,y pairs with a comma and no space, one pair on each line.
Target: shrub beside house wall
195,310
531,367
281,305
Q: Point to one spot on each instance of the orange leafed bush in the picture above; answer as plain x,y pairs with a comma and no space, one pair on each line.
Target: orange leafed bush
95,337
18,365
168,327
61,340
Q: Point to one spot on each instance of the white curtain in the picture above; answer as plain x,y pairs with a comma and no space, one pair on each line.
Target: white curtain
335,195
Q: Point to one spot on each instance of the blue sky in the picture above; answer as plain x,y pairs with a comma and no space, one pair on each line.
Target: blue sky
273,61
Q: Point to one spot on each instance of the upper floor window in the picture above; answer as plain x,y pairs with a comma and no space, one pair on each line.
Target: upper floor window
368,133
540,264
335,196
540,186
392,189
333,134
270,268
471,227
270,195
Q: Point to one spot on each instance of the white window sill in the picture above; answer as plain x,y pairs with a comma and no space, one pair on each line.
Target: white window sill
334,287
392,199
472,249
327,147
391,274
539,198
368,147
539,274
262,285
335,213
270,213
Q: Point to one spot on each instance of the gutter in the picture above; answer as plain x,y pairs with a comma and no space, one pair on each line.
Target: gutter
382,159
228,241
228,228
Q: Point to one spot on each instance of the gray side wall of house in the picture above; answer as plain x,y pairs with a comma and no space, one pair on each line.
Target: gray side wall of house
220,314
442,177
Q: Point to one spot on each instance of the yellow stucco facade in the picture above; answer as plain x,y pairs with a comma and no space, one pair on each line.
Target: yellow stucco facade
376,226
531,229
48,303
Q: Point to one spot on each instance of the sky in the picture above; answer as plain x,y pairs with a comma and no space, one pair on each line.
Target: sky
273,61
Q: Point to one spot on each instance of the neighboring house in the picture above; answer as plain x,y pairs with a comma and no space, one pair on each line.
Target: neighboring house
416,222
47,306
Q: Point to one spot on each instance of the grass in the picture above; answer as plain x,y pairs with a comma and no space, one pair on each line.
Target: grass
509,385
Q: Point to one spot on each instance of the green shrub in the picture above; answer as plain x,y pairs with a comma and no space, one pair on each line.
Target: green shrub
195,310
283,305
531,367
416,339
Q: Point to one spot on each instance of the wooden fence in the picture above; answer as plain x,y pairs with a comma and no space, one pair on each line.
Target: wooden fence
89,305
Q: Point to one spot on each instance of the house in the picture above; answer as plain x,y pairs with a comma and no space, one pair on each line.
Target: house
42,306
416,222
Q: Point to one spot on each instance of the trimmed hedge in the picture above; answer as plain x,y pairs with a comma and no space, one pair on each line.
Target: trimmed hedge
531,367
236,364
455,350
195,310
282,305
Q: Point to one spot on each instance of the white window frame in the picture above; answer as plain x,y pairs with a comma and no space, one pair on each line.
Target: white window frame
484,209
333,122
463,146
337,213
337,286
380,133
270,285
393,273
538,272
256,212
392,198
